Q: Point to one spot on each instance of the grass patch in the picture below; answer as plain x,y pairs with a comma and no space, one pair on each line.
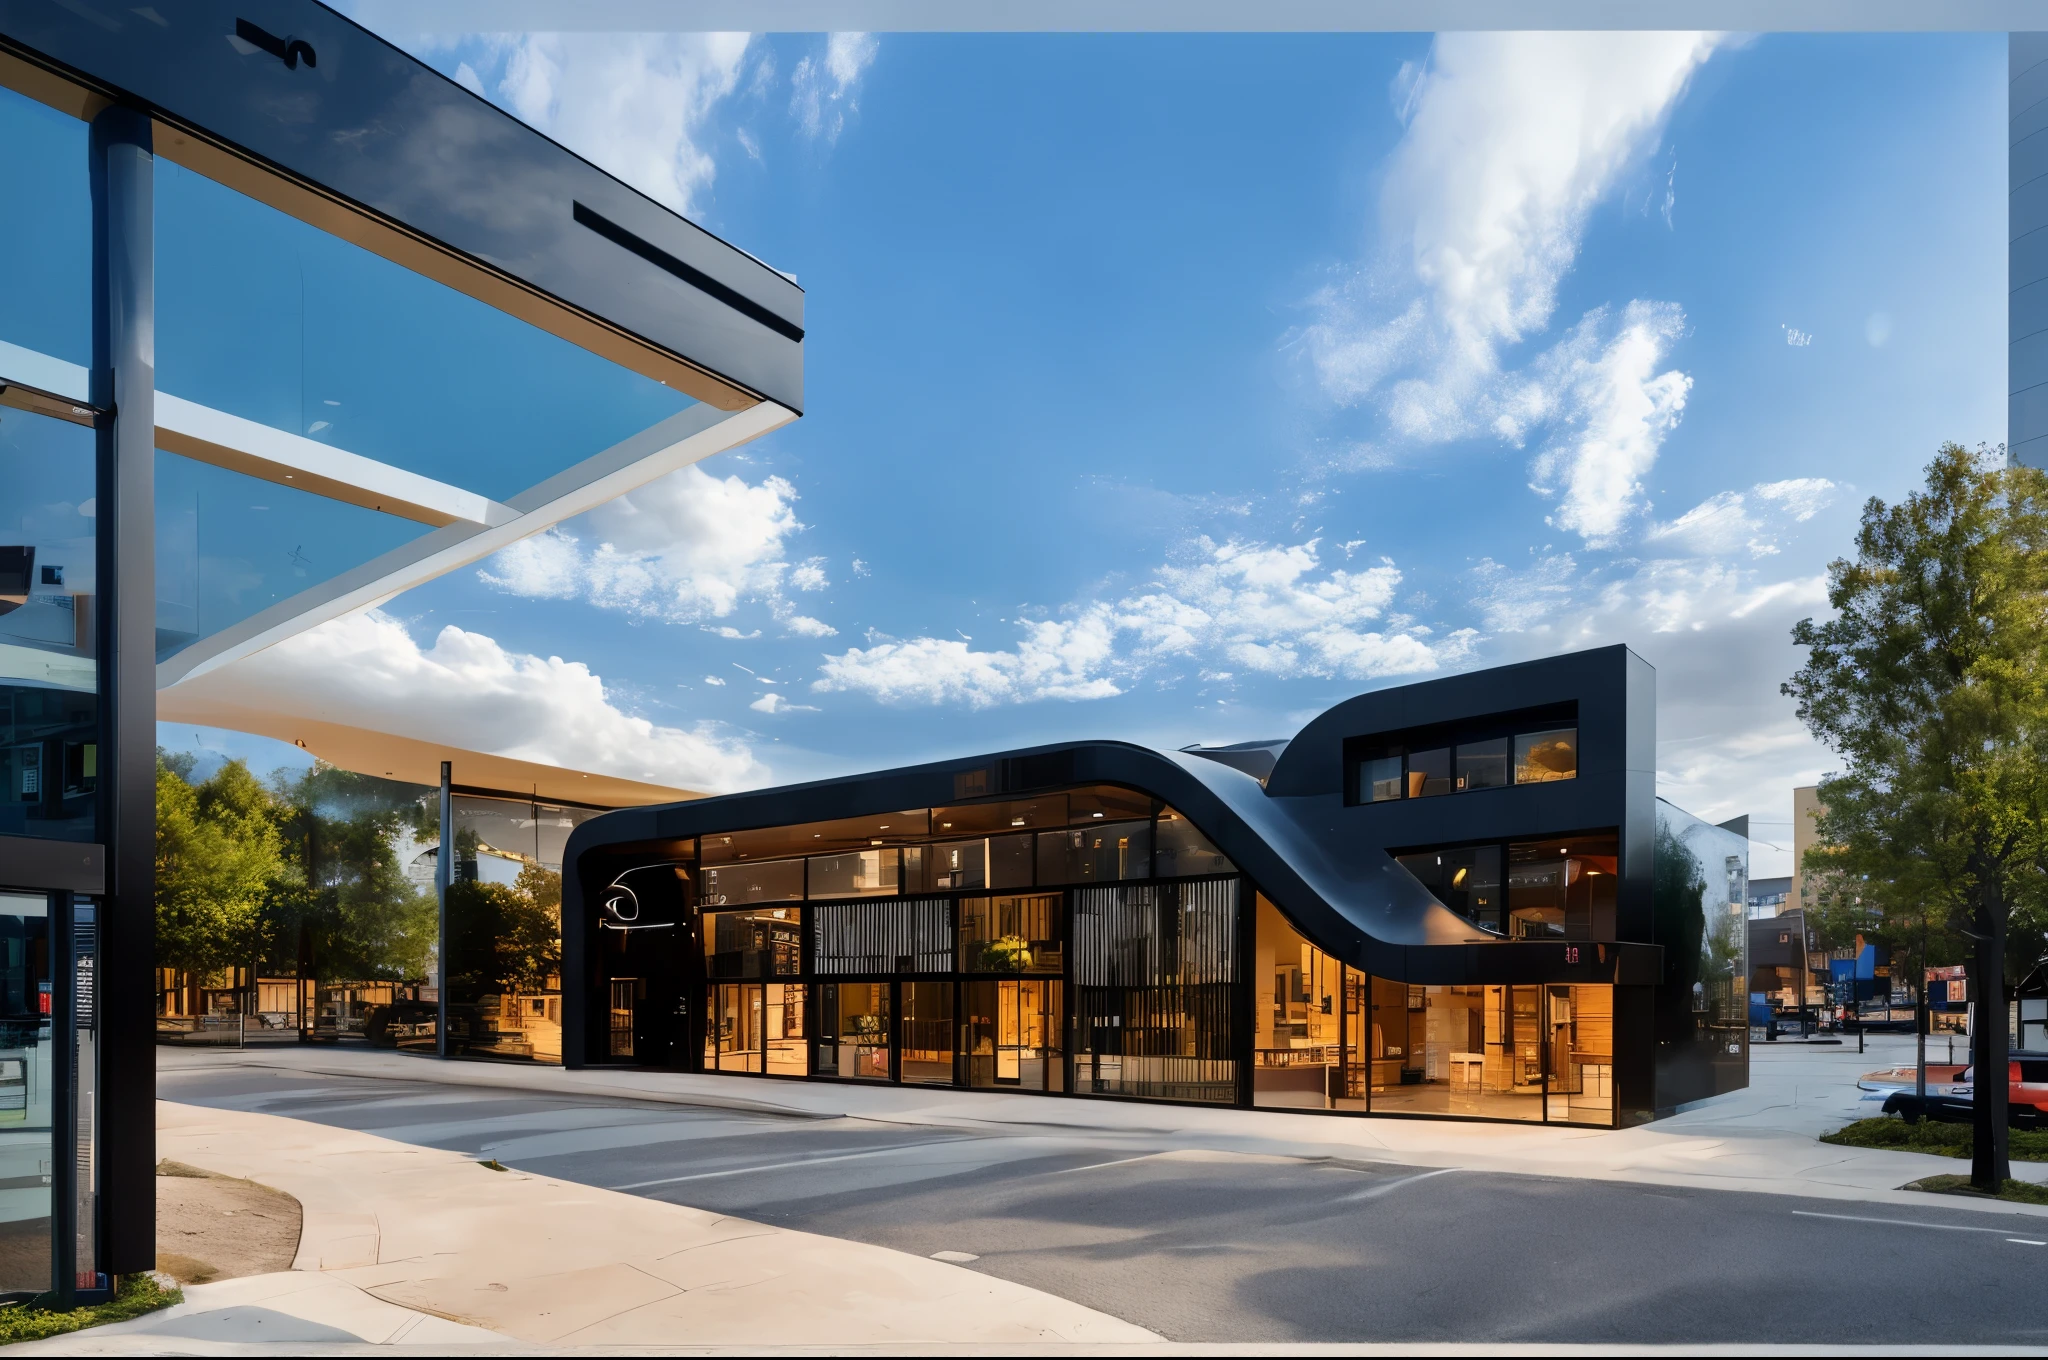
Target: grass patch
494,1165
34,1320
2019,1192
1943,1140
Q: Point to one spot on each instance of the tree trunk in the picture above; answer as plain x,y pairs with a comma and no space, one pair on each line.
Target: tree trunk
1990,1045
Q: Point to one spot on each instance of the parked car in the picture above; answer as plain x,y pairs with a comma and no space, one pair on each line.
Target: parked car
2026,1096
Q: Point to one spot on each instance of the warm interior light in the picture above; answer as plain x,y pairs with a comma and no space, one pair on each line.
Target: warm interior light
1095,814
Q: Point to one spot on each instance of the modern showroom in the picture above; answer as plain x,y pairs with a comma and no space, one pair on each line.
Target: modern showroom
1458,898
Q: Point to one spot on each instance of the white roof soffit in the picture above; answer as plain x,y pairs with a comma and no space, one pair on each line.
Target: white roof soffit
686,437
1189,16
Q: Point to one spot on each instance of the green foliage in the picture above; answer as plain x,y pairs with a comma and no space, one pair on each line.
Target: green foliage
1007,954
218,855
2019,1192
349,908
1929,684
35,1320
504,939
1943,1140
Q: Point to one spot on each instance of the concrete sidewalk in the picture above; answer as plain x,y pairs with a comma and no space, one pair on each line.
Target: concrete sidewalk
1763,1139
425,1250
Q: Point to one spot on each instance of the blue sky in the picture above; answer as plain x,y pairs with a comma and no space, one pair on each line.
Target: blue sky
1175,387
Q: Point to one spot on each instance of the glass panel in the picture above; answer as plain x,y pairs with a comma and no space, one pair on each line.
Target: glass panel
1183,852
1096,854
1563,889
24,1093
949,866
46,238
748,944
732,885
229,546
1581,1056
1012,934
1155,991
1010,1034
268,318
1475,1051
811,838
1297,1012
49,709
1466,879
1379,780
1105,803
863,873
883,937
504,927
1429,773
1009,861
1364,1045
785,1029
853,1030
733,1029
85,985
928,1033
974,819
1483,764
1544,756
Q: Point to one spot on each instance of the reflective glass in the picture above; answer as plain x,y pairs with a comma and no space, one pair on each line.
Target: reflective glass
273,320
1465,878
731,885
733,1029
1563,889
1379,780
1543,756
1010,1034
861,873
229,546
1297,1017
1429,773
853,1030
746,944
1482,764
1099,853
46,239
49,732
1020,934
1155,982
1476,1051
1180,851
24,1093
927,1033
784,1029
946,867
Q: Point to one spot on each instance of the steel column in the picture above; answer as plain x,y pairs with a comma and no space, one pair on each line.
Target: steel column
444,874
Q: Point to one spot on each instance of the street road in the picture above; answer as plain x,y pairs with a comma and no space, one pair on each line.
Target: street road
1225,1247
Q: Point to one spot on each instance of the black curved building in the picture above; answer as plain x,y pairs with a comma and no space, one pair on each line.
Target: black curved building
1454,898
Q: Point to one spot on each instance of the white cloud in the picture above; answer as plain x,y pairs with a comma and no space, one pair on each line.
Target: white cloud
685,548
637,104
1511,140
1730,523
713,680
826,87
365,670
1273,610
777,703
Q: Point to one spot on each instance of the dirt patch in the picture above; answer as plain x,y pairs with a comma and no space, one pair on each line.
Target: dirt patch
211,1227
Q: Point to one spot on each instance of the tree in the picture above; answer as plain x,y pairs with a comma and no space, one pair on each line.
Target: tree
217,854
1929,684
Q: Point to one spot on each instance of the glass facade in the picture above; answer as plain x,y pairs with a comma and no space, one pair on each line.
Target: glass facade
1122,956
1701,906
1535,747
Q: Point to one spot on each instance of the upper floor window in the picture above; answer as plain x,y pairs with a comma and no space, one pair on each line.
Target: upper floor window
1531,747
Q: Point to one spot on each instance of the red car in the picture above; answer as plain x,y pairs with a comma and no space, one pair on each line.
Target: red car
2026,1096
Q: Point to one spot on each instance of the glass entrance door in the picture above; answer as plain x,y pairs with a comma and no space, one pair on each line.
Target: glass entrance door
1010,1034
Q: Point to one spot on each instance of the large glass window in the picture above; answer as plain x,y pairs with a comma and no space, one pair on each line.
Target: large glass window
24,1093
1429,773
46,238
1563,889
1180,851
1531,747
783,1030
1297,1017
1482,764
733,1029
1461,1050
1010,1033
927,1036
1016,934
1543,756
951,866
858,873
1464,878
1104,852
1155,973
49,706
766,942
732,885
853,1030
882,937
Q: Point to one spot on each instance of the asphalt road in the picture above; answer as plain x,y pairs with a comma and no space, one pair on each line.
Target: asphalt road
1226,1247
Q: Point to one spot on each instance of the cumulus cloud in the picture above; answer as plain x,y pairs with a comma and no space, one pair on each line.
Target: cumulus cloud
366,670
686,548
825,88
1512,138
637,104
1731,522
1275,610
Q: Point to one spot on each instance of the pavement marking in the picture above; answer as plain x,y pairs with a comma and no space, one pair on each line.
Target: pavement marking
1911,1223
780,1166
958,1258
1097,1166
2027,1242
1375,1191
